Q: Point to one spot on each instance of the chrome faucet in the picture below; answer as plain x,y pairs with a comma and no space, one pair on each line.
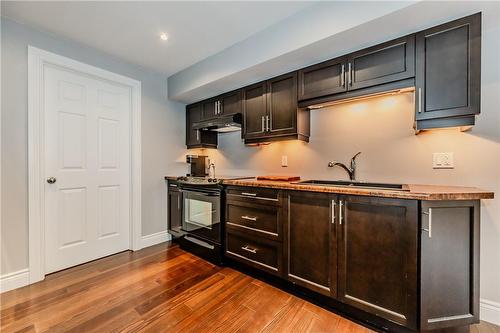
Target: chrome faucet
350,171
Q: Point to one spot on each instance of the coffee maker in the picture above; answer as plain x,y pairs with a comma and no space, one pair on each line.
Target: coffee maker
198,165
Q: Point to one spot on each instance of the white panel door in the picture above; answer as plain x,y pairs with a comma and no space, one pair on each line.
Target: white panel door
87,152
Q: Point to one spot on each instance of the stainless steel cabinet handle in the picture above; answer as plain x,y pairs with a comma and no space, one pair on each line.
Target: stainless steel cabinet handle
249,249
341,215
220,107
419,100
268,123
250,218
342,76
263,124
349,76
197,135
249,194
429,230
51,180
216,107
333,211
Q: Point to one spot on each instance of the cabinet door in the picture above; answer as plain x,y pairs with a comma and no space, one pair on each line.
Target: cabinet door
230,103
197,138
193,114
448,69
209,108
449,264
322,79
254,110
378,256
282,104
312,255
384,63
174,210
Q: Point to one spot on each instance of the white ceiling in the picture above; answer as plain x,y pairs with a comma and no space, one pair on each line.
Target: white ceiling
130,30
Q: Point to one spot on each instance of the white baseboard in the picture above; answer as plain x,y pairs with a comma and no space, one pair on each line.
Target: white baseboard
489,311
14,280
156,238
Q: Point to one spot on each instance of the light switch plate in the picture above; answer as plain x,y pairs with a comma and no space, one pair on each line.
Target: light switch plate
284,161
443,161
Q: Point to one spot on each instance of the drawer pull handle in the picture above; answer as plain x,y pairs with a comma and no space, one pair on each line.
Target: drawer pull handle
249,194
250,218
249,249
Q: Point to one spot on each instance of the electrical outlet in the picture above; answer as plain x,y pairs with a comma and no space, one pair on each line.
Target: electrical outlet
284,161
443,161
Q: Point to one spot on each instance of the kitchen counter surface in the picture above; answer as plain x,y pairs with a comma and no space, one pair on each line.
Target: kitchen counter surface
413,191
417,192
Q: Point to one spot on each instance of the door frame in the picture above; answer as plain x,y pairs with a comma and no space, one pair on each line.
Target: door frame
37,60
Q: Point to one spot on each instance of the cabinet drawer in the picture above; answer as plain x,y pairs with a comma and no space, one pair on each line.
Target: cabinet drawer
259,253
259,220
253,194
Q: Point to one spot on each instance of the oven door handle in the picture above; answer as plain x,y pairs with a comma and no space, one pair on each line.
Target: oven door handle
205,194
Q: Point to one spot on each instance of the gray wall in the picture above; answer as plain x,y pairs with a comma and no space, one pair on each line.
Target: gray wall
162,135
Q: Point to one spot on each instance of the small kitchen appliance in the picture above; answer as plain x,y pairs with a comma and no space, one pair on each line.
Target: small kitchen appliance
198,165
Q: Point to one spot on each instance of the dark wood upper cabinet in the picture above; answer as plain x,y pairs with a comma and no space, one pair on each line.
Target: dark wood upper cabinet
270,111
377,265
282,104
230,103
448,72
197,138
375,66
322,79
209,107
254,110
449,264
312,248
380,64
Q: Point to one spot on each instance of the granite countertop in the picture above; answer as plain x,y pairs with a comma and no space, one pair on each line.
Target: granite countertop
412,191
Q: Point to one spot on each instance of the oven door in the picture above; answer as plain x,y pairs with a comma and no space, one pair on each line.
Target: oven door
201,214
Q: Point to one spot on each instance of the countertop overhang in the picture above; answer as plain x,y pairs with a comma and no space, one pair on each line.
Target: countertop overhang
414,192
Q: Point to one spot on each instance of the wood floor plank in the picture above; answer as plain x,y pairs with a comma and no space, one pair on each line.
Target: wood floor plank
164,289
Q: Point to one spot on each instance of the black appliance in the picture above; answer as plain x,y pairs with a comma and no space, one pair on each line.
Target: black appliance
198,165
201,211
221,124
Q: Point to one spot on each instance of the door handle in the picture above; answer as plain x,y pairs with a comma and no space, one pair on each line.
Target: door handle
51,180
349,75
333,211
419,93
249,249
342,76
250,218
263,124
220,107
341,215
429,230
268,123
197,135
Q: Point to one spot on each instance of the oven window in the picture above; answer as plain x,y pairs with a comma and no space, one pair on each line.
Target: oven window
198,213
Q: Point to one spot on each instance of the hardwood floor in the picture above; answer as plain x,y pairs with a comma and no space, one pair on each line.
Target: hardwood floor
160,289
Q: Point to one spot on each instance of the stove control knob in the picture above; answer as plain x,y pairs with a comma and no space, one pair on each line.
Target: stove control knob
210,180
214,180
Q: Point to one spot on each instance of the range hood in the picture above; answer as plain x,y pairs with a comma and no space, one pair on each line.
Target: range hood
221,124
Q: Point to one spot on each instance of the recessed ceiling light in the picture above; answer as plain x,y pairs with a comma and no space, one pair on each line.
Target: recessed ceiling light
163,36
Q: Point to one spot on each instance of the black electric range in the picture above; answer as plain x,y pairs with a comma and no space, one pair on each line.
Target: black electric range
200,215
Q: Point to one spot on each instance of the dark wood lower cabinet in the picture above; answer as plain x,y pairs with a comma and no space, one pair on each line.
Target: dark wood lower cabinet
449,264
405,263
377,267
311,246
174,210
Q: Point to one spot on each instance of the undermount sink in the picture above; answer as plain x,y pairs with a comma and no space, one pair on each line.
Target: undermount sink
347,183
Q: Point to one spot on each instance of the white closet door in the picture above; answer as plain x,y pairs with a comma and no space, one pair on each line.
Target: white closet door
87,152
